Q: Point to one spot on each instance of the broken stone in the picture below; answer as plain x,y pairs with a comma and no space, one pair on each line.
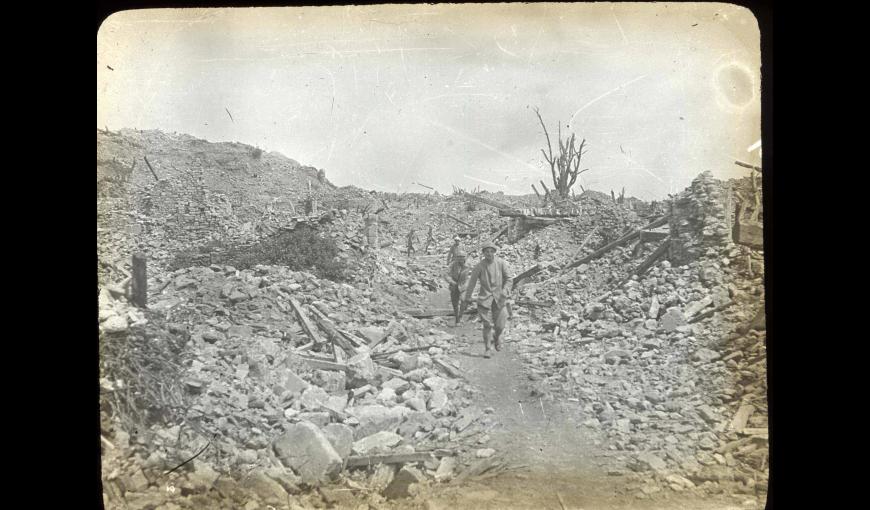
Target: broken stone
382,440
651,461
705,355
330,380
313,398
416,403
405,484
382,476
438,401
387,396
212,336
270,491
396,384
320,418
137,482
484,453
115,324
445,469
360,371
307,451
375,418
340,437
417,421
672,319
293,383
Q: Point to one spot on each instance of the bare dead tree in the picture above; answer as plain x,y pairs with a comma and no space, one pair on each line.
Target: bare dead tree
564,166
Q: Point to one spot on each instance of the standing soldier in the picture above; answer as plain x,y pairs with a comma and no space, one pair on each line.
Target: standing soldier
412,236
429,240
495,284
453,250
457,277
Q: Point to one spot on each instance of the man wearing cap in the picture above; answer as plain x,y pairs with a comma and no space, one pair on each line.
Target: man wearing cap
453,250
457,277
495,283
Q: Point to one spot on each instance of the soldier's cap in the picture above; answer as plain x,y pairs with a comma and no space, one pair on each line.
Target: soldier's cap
460,253
489,244
457,238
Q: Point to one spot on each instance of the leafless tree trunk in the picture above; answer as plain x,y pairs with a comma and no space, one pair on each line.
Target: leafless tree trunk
564,166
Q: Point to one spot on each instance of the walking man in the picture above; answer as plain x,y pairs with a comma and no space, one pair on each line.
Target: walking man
412,236
457,277
495,284
429,240
453,250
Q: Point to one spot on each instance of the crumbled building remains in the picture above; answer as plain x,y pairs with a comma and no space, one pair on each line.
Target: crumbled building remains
246,384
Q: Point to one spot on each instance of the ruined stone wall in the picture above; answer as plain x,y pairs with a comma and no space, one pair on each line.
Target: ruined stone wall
701,219
185,208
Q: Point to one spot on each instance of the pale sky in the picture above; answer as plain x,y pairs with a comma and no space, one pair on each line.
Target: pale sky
385,96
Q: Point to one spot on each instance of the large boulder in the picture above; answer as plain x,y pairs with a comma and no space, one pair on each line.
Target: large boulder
375,418
305,449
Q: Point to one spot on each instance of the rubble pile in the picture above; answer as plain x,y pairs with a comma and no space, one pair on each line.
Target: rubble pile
670,367
281,414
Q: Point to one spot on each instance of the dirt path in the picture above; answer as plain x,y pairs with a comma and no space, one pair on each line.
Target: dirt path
560,459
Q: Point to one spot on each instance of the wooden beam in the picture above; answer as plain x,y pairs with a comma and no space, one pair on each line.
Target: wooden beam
622,240
459,221
152,169
331,330
303,321
528,273
323,364
747,165
392,458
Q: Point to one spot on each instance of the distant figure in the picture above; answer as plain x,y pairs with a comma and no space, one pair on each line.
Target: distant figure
412,236
457,278
537,251
495,284
453,250
429,240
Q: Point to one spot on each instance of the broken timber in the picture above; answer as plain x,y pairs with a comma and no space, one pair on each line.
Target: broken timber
622,240
324,364
152,169
303,321
395,458
441,312
459,221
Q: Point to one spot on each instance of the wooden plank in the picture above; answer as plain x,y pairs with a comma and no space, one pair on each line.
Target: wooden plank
393,458
622,240
741,417
451,371
442,312
323,364
459,221
528,273
709,313
303,321
331,330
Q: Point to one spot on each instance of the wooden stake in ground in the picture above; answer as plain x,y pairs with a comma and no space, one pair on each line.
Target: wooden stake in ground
139,287
151,168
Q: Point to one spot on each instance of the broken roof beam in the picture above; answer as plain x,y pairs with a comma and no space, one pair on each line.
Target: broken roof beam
747,165
459,221
622,240
303,321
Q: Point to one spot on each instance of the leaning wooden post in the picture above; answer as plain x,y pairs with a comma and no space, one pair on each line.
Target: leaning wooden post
139,285
151,168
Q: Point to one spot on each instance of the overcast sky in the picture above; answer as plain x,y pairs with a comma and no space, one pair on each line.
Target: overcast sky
385,96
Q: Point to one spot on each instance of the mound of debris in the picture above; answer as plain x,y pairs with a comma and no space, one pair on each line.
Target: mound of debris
668,364
281,383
